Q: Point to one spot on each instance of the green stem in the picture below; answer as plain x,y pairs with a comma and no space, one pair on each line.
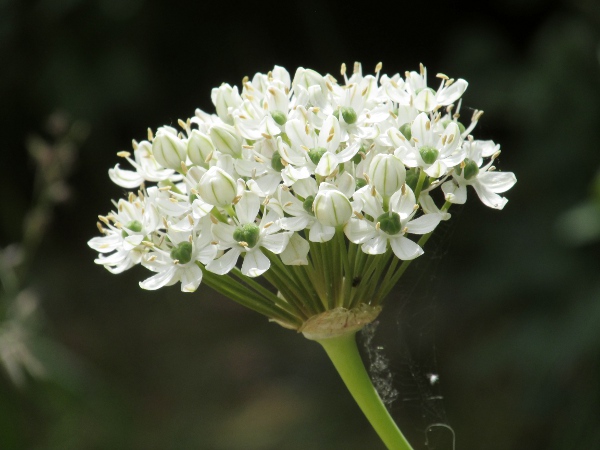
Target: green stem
420,182
343,352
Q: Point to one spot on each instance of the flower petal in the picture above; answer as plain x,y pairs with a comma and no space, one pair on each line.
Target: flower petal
405,249
255,263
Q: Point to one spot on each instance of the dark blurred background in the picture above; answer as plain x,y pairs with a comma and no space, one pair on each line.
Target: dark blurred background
505,309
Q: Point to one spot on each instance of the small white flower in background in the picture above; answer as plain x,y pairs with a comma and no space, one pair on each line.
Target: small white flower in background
292,172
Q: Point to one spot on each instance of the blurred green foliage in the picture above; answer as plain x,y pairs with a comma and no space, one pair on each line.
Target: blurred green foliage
515,301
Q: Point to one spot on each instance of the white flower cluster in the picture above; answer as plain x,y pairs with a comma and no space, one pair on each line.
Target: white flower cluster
284,162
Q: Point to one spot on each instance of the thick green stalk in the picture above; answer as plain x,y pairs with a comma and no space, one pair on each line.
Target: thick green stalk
343,352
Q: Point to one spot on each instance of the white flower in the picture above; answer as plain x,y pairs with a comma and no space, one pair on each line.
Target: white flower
486,182
426,99
146,168
282,164
121,246
178,262
247,237
390,226
432,149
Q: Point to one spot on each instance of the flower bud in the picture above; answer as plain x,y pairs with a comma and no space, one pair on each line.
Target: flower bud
199,148
182,253
332,207
225,97
248,233
387,174
168,150
227,140
217,187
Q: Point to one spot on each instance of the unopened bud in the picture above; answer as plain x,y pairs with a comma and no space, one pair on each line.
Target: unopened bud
168,150
227,140
225,97
217,187
387,174
199,148
332,207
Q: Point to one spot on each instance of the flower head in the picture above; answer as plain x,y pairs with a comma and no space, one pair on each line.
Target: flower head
311,183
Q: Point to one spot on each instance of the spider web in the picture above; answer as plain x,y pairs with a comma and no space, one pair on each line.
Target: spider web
401,351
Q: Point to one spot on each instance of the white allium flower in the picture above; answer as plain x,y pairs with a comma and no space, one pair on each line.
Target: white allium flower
320,187
389,226
248,238
487,182
283,165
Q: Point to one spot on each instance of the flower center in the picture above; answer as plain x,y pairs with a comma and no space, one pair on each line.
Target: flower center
182,253
279,117
315,154
308,204
248,233
276,162
134,225
471,169
406,131
349,114
429,154
390,223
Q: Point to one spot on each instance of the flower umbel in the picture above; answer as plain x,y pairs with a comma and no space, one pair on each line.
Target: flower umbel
327,190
